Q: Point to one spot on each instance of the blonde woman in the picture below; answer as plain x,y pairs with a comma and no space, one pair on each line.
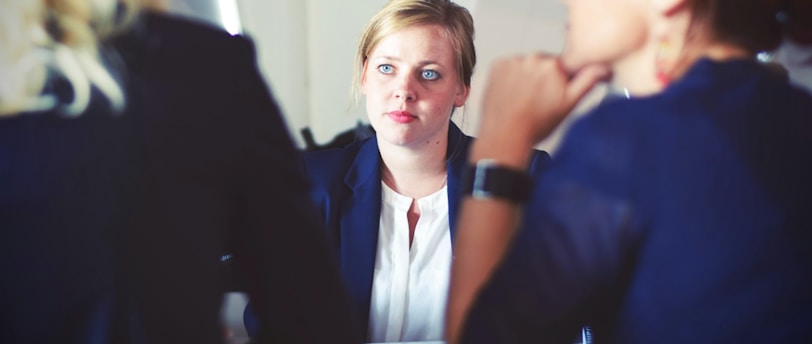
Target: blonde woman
389,202
129,167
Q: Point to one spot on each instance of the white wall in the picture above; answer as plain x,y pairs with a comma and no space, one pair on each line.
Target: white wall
333,30
306,50
279,29
505,28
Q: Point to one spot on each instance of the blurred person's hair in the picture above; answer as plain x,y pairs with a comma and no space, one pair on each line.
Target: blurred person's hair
456,23
798,18
755,25
45,39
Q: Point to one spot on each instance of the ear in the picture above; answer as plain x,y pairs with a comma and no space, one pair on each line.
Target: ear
668,8
461,96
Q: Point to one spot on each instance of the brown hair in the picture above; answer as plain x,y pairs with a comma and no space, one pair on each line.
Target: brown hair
754,25
455,20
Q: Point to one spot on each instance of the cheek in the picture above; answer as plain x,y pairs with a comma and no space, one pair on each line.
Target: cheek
604,38
372,105
375,86
373,91
373,113
442,104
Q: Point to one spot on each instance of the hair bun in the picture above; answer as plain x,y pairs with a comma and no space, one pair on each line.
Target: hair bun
796,19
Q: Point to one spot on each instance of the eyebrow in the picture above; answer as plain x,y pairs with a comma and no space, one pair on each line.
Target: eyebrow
392,58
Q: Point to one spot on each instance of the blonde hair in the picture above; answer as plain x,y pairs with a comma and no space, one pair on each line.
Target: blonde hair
42,38
455,20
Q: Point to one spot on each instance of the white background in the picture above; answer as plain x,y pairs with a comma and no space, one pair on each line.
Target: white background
306,50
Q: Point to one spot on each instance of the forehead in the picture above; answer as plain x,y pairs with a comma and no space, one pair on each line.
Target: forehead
416,43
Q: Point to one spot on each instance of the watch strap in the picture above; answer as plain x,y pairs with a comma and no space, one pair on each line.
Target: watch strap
487,179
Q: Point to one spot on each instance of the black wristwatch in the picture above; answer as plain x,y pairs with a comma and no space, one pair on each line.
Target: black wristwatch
487,179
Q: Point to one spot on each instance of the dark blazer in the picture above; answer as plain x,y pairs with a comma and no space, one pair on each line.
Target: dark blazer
682,217
114,225
346,189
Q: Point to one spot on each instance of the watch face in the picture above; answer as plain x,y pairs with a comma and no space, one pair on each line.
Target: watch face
488,180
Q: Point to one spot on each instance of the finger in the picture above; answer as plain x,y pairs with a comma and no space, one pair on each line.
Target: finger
583,81
542,55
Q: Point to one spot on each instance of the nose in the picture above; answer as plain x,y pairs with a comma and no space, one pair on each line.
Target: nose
405,88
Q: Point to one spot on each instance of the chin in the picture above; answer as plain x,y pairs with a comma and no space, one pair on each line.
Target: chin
393,136
574,62
571,62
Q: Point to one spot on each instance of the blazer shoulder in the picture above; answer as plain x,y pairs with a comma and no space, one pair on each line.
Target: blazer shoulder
539,162
539,159
326,167
179,25
189,37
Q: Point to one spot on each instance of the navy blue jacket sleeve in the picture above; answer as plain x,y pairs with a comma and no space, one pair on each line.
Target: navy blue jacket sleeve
293,282
569,252
208,86
677,218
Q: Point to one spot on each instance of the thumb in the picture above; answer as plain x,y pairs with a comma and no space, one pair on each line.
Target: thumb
583,81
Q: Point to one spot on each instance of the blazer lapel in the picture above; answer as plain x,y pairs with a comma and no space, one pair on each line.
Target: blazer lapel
359,225
457,156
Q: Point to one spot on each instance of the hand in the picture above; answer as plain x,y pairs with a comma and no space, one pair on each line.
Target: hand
528,96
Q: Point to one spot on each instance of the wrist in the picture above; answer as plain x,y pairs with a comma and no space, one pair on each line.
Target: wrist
505,150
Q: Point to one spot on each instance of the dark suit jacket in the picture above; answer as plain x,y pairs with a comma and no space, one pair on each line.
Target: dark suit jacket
114,225
678,218
346,188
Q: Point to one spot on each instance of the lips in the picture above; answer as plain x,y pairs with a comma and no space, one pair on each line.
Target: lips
401,116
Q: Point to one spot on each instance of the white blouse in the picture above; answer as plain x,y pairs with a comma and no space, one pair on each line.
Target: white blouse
410,285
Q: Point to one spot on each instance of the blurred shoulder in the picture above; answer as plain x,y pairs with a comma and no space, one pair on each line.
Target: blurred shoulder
539,161
165,37
187,31
332,164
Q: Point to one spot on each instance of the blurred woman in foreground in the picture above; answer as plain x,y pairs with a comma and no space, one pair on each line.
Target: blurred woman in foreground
129,165
678,217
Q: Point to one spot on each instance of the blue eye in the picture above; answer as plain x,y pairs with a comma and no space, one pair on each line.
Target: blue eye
385,69
429,74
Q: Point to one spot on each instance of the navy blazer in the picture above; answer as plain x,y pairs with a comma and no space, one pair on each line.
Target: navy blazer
346,189
684,217
112,226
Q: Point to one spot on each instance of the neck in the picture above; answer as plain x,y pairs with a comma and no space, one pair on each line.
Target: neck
636,72
714,51
414,171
